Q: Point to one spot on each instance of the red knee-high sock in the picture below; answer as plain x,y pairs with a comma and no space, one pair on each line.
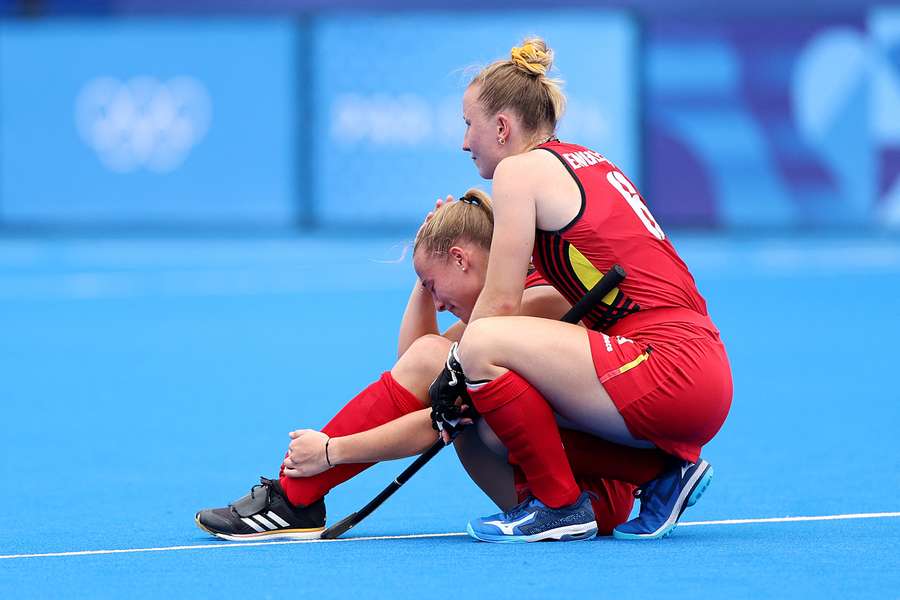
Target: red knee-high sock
381,402
523,421
591,456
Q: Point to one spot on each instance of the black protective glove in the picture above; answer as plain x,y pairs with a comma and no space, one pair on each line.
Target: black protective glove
449,396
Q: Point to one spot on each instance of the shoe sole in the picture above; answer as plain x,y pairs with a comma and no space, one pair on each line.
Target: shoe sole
283,534
571,533
695,494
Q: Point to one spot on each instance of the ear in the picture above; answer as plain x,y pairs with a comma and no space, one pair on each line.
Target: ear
503,124
459,258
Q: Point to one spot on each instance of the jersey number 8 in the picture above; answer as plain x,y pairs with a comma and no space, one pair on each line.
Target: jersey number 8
621,183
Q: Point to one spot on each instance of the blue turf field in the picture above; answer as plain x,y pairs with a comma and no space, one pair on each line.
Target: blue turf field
144,379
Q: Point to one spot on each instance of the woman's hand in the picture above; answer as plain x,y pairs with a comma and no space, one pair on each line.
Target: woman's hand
450,432
306,453
437,204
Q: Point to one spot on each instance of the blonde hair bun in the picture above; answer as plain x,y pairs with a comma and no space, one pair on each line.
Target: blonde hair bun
533,57
521,83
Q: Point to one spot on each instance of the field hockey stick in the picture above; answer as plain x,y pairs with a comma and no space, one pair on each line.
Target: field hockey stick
610,280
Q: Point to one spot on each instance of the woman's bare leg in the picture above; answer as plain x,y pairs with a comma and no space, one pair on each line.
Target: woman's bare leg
486,464
556,359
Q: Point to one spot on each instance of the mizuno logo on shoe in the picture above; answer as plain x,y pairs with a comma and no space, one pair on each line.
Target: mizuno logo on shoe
507,528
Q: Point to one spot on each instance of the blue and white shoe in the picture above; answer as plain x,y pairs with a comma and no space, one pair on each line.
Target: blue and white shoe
533,521
664,499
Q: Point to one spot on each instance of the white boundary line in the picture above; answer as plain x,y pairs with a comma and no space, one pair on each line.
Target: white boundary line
881,515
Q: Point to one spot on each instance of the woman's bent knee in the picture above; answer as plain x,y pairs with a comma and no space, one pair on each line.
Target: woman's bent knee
478,348
421,362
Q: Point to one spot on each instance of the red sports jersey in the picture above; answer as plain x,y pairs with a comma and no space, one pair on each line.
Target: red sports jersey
615,226
534,279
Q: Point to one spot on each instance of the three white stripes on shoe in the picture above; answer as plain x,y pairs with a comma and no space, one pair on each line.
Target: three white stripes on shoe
265,522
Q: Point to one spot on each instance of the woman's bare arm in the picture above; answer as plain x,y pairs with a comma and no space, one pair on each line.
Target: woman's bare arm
406,436
512,242
419,318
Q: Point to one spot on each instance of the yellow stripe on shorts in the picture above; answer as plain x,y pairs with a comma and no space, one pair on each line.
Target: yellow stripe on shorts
626,367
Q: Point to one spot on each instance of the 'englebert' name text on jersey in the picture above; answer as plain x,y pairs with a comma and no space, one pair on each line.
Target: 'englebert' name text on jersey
586,158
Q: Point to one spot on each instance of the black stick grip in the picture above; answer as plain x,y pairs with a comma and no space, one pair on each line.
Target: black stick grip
610,280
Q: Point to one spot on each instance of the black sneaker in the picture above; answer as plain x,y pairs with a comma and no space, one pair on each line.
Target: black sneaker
264,513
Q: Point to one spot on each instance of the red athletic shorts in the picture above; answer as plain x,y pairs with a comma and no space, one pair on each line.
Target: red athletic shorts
670,380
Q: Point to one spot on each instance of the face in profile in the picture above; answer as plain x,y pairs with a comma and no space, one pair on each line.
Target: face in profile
452,288
480,139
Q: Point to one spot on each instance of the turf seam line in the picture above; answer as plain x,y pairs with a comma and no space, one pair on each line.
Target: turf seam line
413,536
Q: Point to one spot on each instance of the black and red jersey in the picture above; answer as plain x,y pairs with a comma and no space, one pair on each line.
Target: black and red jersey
534,279
614,226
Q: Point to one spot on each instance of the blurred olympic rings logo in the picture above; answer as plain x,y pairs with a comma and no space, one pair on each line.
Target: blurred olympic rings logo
142,122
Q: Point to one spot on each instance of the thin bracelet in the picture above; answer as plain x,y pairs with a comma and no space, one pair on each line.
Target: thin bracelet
328,460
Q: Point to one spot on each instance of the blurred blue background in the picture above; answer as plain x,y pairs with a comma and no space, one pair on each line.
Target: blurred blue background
202,206
387,116
160,121
282,115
